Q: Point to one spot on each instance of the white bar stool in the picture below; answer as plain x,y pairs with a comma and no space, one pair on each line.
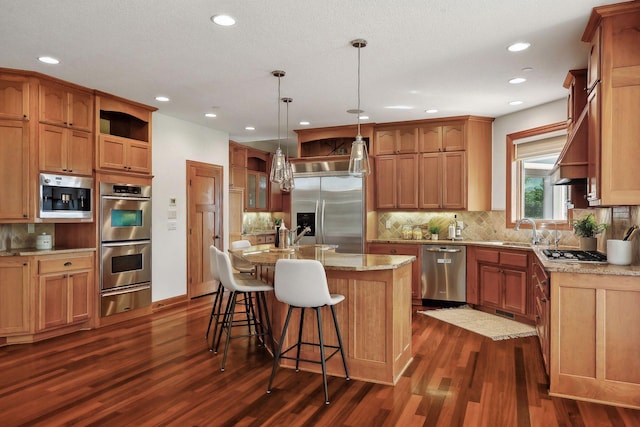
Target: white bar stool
216,309
247,288
303,284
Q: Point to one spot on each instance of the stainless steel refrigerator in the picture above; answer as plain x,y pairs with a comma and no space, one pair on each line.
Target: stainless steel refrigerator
331,203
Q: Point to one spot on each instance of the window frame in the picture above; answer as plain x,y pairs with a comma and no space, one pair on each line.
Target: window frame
510,158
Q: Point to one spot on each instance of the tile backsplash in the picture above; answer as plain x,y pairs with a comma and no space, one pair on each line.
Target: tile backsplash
17,236
491,225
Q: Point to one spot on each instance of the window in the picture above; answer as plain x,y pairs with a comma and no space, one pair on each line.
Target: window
531,155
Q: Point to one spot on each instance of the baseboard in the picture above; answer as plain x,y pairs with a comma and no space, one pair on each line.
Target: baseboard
169,303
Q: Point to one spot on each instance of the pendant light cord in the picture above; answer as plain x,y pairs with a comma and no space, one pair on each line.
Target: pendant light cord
358,113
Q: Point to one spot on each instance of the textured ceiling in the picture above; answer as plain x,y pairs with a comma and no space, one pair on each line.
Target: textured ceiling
444,54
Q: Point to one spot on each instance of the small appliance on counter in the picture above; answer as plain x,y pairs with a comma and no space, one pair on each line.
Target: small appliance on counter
44,241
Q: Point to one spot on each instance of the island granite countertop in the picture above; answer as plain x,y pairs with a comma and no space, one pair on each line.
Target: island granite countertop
267,255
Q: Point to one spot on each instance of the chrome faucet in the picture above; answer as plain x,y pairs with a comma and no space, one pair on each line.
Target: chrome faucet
534,236
301,235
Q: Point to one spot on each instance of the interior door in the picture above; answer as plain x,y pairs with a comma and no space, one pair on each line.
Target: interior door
204,208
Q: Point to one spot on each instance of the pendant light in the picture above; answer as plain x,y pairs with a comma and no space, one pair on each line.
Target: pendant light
277,164
359,160
287,184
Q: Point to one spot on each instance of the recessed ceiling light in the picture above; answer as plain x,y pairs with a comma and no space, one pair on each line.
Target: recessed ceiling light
210,115
527,69
399,107
364,117
515,102
431,111
162,99
518,47
48,60
223,20
305,123
517,80
249,128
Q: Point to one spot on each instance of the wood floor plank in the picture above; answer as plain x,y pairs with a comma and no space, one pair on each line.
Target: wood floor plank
157,370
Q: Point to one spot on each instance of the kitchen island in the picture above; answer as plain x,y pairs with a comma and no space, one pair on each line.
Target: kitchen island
374,318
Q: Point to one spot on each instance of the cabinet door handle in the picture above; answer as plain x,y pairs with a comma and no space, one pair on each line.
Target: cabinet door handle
68,264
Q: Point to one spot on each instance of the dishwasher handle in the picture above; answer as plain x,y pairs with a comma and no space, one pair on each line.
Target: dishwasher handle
442,250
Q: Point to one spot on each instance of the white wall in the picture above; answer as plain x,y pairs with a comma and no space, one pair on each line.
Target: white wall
174,142
541,115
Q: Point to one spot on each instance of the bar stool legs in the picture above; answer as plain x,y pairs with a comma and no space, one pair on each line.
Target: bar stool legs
280,354
255,319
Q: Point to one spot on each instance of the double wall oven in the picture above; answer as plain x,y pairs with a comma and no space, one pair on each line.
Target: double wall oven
125,250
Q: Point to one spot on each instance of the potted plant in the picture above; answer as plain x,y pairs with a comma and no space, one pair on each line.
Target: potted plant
434,230
586,229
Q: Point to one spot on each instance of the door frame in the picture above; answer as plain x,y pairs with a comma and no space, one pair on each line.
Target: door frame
219,202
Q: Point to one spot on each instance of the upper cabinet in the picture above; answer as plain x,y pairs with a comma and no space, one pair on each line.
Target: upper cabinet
332,141
237,165
257,191
124,141
65,137
613,81
14,97
65,106
451,171
18,98
396,140
436,137
14,171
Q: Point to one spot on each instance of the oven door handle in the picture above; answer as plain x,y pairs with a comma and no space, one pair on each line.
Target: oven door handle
137,199
127,243
125,291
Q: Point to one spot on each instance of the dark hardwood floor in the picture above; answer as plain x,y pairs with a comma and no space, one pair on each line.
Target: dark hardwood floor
158,371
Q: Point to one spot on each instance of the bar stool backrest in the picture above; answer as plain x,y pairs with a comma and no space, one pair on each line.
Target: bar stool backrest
301,283
240,244
226,272
213,263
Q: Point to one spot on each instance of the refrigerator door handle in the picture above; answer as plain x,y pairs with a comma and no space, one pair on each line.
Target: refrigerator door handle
322,222
317,217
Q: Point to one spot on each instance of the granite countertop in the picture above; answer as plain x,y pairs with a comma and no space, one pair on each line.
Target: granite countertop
34,251
584,267
551,266
260,232
267,255
510,245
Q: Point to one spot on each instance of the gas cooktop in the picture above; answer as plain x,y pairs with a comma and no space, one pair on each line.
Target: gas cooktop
575,256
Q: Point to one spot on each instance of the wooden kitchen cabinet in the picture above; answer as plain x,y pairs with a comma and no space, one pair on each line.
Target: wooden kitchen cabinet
396,140
257,191
65,290
614,83
14,97
443,180
396,181
442,137
65,150
15,300
237,165
594,338
416,267
64,106
501,282
15,171
123,154
124,141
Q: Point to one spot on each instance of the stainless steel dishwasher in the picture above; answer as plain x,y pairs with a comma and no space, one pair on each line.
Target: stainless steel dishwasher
444,274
